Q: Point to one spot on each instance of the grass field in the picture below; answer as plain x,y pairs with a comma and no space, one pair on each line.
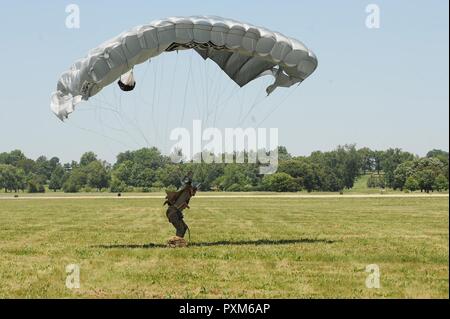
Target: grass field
241,247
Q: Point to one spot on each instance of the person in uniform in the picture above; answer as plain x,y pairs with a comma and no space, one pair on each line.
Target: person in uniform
177,202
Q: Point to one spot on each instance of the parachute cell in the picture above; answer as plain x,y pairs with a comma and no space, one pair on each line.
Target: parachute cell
243,51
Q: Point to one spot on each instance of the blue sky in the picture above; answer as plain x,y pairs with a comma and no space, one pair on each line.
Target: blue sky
379,88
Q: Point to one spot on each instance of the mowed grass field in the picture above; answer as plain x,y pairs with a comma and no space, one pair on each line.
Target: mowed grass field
240,248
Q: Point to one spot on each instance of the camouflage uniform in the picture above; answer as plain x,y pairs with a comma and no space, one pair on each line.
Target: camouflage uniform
175,213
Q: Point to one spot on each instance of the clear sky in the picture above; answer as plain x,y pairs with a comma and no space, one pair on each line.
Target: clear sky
380,88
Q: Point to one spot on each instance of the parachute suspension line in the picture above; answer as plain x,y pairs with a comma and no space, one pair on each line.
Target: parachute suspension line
278,105
160,90
118,113
116,108
204,91
207,93
232,94
133,123
115,112
186,91
196,93
99,115
201,93
169,111
241,104
97,133
137,124
256,102
141,89
155,86
218,93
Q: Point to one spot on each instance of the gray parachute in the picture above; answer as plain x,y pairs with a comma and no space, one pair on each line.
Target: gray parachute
243,51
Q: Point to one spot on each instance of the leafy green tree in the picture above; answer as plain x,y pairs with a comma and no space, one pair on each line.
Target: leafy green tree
308,175
97,175
441,183
27,165
378,157
124,172
411,184
12,158
439,154
87,158
401,174
11,178
280,182
57,179
366,158
144,158
76,180
43,168
35,184
244,175
117,186
391,160
344,162
143,177
376,181
329,181
283,154
169,175
426,179
138,168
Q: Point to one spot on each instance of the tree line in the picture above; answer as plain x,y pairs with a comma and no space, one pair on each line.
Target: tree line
148,170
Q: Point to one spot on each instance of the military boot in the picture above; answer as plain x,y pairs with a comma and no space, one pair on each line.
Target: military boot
176,241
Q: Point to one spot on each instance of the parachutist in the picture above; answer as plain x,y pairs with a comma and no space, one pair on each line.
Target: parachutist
177,202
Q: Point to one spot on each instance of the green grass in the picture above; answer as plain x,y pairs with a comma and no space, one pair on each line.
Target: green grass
241,248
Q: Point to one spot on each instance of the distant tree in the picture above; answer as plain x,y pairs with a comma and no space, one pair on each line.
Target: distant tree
57,179
143,177
12,158
378,160
43,168
426,179
352,164
411,184
401,174
97,175
168,175
392,158
124,173
344,162
117,186
76,180
280,182
87,158
11,178
27,165
35,184
144,158
439,154
367,160
283,154
244,175
329,181
441,183
376,181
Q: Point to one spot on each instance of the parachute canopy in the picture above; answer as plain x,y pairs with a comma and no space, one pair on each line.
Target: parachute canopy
243,51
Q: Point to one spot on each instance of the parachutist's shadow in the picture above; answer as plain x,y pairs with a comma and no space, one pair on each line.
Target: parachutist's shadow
260,242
